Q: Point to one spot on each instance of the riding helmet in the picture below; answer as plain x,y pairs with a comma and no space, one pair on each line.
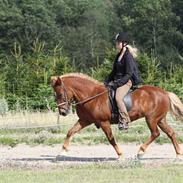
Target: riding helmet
122,37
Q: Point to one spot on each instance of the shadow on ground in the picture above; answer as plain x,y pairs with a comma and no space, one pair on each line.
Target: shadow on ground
62,158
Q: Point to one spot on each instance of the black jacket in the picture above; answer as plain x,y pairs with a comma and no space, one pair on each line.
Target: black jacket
124,69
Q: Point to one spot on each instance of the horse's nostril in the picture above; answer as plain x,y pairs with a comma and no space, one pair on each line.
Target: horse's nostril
63,113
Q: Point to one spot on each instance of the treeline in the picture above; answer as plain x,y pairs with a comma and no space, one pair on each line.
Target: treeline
86,28
51,37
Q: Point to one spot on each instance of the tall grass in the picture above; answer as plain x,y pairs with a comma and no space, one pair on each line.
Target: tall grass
26,119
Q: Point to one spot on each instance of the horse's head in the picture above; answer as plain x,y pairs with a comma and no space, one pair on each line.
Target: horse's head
62,95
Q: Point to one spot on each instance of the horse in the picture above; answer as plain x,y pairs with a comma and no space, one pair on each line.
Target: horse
92,106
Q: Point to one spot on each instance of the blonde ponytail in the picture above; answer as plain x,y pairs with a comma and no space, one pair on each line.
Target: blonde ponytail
133,51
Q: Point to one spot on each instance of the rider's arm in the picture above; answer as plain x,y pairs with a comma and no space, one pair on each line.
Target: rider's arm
129,69
113,72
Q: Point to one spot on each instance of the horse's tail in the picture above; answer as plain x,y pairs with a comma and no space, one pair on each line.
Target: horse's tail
176,106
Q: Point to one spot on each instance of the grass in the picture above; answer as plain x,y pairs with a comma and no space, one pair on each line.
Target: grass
137,133
96,173
30,119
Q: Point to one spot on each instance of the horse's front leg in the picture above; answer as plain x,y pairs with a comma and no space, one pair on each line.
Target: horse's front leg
106,127
75,129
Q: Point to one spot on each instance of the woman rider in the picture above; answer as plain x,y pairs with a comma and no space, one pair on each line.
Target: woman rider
123,76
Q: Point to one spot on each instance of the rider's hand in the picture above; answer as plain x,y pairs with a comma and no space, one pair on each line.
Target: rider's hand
106,83
112,85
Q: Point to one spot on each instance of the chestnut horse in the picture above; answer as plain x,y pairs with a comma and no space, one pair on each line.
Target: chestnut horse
92,106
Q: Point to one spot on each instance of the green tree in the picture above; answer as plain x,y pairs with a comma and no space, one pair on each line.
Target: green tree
86,28
23,21
177,6
153,26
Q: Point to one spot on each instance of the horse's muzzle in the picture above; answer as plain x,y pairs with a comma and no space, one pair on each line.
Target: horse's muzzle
64,112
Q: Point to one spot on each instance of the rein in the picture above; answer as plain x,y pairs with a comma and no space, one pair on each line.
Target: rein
88,99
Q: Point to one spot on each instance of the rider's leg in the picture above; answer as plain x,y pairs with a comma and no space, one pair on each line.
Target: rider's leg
123,114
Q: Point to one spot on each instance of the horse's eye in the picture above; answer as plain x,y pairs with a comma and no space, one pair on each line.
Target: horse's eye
58,94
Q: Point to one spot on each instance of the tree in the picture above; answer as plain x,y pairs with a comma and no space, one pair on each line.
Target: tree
86,28
177,6
23,21
153,26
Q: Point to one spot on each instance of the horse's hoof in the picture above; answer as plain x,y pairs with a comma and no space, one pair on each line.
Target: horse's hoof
140,155
63,152
121,158
179,157
61,155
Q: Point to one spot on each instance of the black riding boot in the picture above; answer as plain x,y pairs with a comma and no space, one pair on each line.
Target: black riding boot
124,119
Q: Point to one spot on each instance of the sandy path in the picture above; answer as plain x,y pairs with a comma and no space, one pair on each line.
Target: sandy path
24,156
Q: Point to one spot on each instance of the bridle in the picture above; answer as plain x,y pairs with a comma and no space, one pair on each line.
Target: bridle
66,100
71,102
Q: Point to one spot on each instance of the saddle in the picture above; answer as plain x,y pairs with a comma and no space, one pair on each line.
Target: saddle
113,105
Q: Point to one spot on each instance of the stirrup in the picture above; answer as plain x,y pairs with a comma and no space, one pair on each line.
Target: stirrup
123,121
124,118
123,126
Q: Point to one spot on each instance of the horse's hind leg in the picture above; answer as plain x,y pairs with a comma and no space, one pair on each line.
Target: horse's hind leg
152,124
106,127
171,134
75,129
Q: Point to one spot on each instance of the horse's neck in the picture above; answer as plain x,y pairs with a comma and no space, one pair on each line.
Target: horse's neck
84,89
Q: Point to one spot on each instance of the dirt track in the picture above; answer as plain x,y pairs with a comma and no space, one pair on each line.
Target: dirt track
24,156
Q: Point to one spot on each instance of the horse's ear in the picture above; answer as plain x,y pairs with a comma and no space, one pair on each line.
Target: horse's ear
55,80
59,81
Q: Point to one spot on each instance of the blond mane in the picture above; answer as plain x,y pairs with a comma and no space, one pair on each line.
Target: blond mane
81,75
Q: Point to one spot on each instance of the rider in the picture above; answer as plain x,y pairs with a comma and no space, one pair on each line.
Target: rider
123,76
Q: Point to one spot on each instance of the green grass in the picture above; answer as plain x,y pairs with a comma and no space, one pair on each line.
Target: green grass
8,141
96,173
138,132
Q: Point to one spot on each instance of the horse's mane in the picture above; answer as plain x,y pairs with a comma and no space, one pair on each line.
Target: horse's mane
81,75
